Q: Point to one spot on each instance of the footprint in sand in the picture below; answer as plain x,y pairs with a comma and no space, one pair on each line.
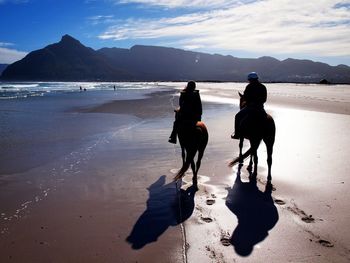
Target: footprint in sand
225,241
308,219
325,243
303,216
207,219
210,201
174,171
280,202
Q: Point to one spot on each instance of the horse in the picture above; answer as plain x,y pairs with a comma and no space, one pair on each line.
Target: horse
193,139
256,129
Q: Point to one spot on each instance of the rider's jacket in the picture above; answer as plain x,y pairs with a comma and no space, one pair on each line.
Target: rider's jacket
255,94
190,105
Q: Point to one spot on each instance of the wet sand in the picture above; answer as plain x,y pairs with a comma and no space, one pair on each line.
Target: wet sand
113,199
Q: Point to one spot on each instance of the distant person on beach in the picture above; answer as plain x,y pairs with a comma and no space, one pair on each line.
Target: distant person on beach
255,94
114,87
190,110
80,88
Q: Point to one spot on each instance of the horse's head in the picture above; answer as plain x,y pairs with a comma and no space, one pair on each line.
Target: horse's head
242,101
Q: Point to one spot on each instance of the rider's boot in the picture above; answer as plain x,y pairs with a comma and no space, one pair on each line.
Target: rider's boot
235,135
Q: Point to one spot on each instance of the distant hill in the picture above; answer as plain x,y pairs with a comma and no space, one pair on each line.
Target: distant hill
2,67
69,60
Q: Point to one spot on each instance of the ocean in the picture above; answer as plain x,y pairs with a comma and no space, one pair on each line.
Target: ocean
40,120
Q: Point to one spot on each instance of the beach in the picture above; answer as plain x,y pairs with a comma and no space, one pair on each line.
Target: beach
88,177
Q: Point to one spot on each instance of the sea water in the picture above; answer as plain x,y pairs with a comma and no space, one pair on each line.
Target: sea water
40,121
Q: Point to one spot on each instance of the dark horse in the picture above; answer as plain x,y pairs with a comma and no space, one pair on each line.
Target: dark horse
193,139
255,127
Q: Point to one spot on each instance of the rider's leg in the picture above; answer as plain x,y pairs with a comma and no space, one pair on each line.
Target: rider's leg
173,135
238,119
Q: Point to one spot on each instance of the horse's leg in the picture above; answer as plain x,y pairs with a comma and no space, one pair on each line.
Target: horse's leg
198,165
195,171
255,171
250,166
269,149
240,150
193,168
183,155
269,162
254,155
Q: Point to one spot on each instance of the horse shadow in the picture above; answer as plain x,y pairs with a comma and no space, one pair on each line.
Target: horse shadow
166,206
255,211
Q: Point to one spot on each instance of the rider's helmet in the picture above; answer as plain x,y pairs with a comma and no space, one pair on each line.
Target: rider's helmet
252,76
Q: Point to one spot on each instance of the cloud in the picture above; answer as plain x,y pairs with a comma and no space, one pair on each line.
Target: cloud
5,44
13,1
183,3
265,27
101,19
8,56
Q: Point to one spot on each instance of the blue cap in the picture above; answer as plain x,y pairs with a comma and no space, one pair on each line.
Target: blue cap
252,75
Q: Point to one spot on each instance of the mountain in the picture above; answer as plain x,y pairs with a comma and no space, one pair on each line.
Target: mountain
69,60
161,63
2,67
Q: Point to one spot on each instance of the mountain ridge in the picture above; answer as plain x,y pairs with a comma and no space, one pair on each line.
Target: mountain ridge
70,60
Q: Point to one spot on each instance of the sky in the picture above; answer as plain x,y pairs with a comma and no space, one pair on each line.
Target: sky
316,29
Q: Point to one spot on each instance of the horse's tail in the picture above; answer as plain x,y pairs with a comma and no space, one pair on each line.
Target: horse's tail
185,166
236,160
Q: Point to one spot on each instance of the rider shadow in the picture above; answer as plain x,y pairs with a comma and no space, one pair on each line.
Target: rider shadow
163,210
255,211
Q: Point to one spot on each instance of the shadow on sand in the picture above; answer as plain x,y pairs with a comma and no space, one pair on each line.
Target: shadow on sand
166,206
255,211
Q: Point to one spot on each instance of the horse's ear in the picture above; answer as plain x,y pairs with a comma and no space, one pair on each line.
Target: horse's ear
240,94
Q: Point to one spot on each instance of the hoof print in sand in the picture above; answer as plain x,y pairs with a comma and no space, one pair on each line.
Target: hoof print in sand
325,243
308,219
280,202
210,201
207,219
303,216
225,241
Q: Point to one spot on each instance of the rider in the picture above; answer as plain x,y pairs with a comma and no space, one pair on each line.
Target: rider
190,110
255,95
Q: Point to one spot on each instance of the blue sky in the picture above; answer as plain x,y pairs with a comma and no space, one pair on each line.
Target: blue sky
315,29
